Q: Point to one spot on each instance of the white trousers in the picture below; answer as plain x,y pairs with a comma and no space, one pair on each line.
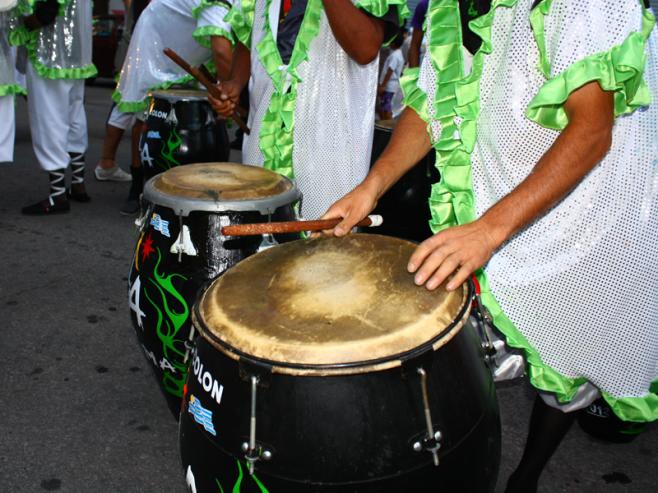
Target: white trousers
7,128
57,119
121,120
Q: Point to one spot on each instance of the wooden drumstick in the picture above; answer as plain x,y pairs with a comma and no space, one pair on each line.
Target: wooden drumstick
207,83
294,226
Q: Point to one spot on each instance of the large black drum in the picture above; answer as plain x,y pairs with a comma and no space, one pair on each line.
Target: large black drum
180,248
405,206
321,367
181,128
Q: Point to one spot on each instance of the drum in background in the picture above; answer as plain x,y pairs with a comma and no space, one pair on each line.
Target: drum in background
313,366
181,128
405,207
180,248
600,421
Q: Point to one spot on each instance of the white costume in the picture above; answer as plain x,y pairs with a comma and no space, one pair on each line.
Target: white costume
577,289
8,89
185,26
320,133
59,59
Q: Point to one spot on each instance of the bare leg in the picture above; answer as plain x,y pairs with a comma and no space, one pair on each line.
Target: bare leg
136,133
131,205
111,142
548,426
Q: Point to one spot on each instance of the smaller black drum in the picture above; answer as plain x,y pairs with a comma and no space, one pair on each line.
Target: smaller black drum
180,248
405,207
181,128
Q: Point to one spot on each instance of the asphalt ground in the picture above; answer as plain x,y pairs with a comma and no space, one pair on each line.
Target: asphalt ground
80,409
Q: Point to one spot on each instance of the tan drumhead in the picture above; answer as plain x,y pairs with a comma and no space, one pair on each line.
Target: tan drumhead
386,124
221,182
327,301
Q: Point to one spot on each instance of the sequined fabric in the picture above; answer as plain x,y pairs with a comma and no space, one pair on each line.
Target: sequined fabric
334,118
580,282
6,55
67,43
165,24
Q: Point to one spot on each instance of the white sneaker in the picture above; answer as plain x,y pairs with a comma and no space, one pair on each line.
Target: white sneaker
112,174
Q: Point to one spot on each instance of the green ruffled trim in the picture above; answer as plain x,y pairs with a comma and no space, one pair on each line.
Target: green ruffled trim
202,35
206,4
22,37
276,131
139,106
452,201
414,97
378,8
619,70
26,7
241,20
12,89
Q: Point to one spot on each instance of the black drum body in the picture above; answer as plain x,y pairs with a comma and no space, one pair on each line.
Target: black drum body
405,206
342,433
181,128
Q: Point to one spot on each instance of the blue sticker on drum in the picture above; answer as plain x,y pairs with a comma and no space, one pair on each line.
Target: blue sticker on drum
201,415
153,134
160,225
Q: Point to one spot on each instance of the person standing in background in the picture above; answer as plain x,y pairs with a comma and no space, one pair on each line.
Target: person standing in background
58,37
389,84
312,69
416,50
8,86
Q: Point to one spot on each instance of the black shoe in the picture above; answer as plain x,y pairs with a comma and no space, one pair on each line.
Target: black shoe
78,196
46,207
130,207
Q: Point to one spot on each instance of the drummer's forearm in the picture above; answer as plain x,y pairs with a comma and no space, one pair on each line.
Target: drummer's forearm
409,144
241,68
222,55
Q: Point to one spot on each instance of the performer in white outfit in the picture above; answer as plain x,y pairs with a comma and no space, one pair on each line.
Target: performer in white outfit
548,156
197,31
312,88
8,86
57,35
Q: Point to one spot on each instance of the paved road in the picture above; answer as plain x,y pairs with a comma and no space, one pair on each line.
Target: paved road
82,414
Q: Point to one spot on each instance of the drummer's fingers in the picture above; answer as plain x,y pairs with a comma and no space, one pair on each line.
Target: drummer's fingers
429,265
449,265
460,277
423,251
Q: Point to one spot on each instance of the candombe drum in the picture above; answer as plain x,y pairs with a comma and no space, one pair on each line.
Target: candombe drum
321,367
405,206
180,248
181,128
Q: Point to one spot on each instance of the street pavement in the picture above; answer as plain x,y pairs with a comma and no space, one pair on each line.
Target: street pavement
81,411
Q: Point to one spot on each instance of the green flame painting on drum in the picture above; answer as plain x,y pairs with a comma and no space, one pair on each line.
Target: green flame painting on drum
168,150
166,313
237,485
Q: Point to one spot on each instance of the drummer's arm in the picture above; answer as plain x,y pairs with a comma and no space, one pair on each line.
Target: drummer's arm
222,55
235,83
360,35
461,250
409,143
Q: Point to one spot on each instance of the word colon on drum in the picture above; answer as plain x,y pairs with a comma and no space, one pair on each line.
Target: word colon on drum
180,248
321,367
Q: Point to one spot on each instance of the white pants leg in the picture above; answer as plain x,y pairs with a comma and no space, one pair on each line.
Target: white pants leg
77,138
49,108
7,128
121,120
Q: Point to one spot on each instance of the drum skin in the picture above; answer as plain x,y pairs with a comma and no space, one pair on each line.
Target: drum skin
162,289
193,136
344,432
405,206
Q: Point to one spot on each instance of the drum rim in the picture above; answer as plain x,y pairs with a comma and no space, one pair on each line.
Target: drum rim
184,206
354,367
171,98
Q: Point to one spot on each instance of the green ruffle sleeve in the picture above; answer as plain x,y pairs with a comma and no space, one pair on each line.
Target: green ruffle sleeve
414,97
139,106
11,90
202,35
618,70
241,19
379,7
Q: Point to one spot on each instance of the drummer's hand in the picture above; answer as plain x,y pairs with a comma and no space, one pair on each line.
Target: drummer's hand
353,207
225,105
456,252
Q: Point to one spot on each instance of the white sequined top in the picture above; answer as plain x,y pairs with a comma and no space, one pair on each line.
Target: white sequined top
581,282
